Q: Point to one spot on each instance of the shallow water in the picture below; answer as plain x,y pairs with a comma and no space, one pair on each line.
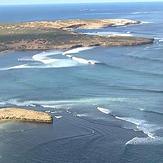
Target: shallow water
106,102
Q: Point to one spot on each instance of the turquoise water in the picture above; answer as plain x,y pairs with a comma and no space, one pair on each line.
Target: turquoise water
122,90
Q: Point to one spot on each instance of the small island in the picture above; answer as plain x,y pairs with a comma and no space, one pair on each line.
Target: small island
25,115
62,35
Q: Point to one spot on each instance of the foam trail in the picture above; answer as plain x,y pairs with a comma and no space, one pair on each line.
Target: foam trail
58,64
44,57
159,39
54,103
15,67
81,115
56,106
77,50
137,12
58,116
142,125
141,109
46,62
110,34
148,140
41,56
145,22
79,59
104,110
25,59
84,61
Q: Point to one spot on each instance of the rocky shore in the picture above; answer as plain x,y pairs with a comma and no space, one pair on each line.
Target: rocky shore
25,115
72,24
60,35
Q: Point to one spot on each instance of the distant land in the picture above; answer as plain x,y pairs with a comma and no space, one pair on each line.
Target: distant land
61,35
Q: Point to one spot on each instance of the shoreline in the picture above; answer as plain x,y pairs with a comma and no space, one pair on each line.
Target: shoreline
149,41
60,35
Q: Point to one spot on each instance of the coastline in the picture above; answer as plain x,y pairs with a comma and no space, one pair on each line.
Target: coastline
60,35
104,93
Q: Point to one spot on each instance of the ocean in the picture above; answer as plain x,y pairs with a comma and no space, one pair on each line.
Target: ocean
109,111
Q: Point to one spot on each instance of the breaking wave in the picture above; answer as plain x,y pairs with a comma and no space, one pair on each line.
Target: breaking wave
144,12
104,110
159,39
47,60
142,125
148,140
109,33
79,59
77,50
54,103
44,60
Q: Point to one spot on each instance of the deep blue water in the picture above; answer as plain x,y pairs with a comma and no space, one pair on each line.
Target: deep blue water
107,112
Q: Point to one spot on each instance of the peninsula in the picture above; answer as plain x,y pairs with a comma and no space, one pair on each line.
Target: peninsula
62,35
24,115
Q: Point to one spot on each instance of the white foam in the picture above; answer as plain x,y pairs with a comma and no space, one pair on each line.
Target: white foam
142,125
144,12
141,12
85,61
44,58
60,103
145,22
24,59
148,140
44,55
121,34
141,109
48,106
47,62
110,34
32,105
2,103
15,67
69,56
159,39
104,110
47,111
77,50
58,116
82,115
64,104
79,59
54,112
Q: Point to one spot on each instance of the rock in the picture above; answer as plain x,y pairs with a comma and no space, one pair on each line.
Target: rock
47,35
25,115
73,24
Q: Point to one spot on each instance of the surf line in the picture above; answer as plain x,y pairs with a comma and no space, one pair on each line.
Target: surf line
79,59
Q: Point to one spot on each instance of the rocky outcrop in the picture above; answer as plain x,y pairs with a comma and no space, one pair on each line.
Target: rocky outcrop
25,115
73,24
60,35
